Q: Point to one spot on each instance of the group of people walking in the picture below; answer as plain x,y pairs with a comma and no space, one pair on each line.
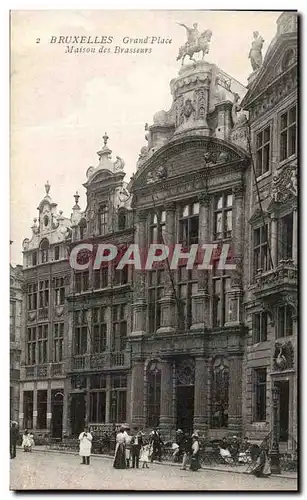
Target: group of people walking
27,440
133,450
187,447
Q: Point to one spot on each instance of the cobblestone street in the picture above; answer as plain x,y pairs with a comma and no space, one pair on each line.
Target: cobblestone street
47,470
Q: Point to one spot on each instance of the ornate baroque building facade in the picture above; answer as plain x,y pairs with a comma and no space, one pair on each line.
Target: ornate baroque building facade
271,294
188,348
16,327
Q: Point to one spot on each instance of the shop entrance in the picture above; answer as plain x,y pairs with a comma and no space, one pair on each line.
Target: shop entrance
77,413
57,414
185,407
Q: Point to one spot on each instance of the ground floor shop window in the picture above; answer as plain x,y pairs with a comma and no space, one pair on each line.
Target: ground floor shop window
98,384
260,395
118,400
41,409
153,395
28,409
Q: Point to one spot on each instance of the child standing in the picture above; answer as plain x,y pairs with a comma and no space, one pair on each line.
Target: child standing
144,457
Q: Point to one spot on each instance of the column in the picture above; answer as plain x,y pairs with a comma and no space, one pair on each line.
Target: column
21,415
35,406
108,399
201,317
201,410
274,240
65,406
49,406
169,310
87,400
139,299
235,393
236,292
137,394
166,405
294,237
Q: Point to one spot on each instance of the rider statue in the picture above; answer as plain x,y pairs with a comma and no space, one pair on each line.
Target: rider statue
196,42
192,34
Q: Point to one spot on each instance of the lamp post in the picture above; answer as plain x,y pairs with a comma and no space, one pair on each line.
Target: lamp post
274,455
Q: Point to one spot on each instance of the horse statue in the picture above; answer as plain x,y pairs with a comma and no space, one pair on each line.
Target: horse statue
199,45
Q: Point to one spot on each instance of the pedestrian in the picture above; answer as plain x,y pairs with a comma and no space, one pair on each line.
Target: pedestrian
14,434
120,456
179,448
262,467
187,450
136,444
195,465
144,456
26,442
156,441
85,439
128,438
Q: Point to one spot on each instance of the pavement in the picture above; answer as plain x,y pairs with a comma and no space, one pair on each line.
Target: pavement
48,469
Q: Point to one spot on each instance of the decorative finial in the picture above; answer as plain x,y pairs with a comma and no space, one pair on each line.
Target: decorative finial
61,212
76,196
105,138
47,187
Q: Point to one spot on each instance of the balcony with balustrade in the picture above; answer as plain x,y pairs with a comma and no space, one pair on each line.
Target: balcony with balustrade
278,280
45,371
109,360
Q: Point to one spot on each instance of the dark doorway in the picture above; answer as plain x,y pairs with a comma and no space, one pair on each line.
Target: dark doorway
185,407
77,413
283,387
57,414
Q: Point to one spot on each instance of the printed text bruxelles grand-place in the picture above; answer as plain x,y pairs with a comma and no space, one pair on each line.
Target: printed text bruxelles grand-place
104,44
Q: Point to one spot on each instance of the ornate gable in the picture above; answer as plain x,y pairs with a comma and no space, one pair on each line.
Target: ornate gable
185,156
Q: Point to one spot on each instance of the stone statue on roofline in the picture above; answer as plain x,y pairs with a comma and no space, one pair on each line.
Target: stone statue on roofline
196,42
255,53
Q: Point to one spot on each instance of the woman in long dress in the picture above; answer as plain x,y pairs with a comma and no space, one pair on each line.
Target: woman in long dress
26,441
120,455
85,439
195,465
262,467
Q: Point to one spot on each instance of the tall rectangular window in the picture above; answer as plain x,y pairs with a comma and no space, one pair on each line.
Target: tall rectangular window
118,399
220,302
81,281
103,220
12,319
263,151
99,329
260,395
32,297
43,294
56,253
100,278
189,224
157,226
119,327
31,345
42,344
58,342
285,240
288,134
28,409
261,249
285,321
42,409
59,292
120,276
98,386
34,258
187,287
155,292
80,341
223,217
260,327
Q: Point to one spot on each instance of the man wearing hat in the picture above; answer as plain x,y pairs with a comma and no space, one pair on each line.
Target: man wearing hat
136,444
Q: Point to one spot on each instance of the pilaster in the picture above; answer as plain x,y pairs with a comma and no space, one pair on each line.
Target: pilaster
235,393
201,400
137,395
35,406
166,406
139,296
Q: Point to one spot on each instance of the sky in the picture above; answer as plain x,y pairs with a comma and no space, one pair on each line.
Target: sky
62,104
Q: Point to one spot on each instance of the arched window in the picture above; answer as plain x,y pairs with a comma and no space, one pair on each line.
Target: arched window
153,394
220,393
103,220
44,248
121,219
82,225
